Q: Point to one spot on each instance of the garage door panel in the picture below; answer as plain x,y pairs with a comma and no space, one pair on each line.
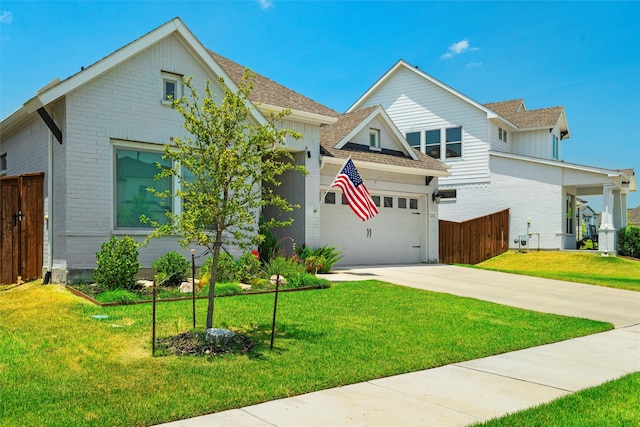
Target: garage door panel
392,236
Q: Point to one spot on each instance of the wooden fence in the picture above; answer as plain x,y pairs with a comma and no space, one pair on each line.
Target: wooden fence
475,240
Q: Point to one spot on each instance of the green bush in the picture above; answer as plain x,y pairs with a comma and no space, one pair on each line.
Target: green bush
226,268
173,267
629,241
318,260
286,267
269,247
247,267
117,264
304,280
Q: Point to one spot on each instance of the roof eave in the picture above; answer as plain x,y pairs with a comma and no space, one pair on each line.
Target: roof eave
297,115
388,168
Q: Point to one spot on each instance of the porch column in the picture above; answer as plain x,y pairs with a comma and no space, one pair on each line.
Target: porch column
607,233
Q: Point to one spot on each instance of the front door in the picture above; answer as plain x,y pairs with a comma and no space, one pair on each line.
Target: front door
21,227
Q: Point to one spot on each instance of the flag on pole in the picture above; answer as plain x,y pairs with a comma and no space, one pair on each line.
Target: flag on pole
354,190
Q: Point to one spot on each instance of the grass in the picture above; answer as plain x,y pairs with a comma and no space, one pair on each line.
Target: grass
615,403
61,366
581,267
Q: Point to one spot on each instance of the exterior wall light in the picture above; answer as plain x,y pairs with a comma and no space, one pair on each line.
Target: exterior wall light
436,196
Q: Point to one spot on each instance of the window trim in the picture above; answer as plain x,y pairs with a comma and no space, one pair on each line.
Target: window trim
375,133
456,142
167,76
118,144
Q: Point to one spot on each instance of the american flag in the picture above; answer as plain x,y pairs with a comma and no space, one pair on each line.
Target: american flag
356,193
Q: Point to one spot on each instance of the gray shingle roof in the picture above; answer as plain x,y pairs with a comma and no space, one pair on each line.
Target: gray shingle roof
269,92
330,135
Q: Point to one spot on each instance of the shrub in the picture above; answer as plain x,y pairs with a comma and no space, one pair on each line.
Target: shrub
226,268
303,279
173,266
117,264
318,260
286,267
629,241
247,267
269,247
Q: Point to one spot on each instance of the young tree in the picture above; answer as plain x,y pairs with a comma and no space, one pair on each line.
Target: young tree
227,168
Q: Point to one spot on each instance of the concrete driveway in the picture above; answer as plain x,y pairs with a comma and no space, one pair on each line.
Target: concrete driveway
620,307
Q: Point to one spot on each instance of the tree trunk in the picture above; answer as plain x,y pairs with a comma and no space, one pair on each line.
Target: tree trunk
212,279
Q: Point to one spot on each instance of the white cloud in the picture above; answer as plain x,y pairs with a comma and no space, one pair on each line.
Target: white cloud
265,4
458,48
474,64
6,17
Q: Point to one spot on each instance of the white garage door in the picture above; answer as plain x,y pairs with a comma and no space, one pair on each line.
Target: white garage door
391,237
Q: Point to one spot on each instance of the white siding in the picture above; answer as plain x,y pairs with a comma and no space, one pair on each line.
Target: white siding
415,104
529,191
496,143
536,143
124,104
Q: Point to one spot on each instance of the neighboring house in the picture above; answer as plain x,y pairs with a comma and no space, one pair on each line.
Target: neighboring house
93,141
502,156
587,217
634,216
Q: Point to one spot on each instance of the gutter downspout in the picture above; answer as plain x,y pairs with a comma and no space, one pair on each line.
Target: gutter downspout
47,278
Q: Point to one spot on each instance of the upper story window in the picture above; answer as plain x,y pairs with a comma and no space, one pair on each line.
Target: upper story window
171,87
555,147
454,142
432,143
502,134
374,139
413,138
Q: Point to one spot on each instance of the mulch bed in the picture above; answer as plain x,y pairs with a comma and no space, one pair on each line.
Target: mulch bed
195,344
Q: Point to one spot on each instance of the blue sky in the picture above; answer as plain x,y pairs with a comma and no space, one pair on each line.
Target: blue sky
584,56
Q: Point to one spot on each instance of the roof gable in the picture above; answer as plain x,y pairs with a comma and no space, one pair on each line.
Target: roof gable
56,90
400,65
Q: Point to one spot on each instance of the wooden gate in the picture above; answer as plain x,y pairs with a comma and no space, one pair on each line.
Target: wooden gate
21,227
475,240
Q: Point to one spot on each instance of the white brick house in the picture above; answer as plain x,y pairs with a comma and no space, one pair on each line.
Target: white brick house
501,156
98,134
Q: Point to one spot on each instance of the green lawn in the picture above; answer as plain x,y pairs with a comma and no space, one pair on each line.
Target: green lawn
581,267
615,403
61,366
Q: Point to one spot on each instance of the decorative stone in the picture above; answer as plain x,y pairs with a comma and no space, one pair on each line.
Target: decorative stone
219,337
186,287
274,278
145,283
244,286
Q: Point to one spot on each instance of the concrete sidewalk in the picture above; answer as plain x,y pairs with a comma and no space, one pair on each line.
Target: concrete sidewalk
476,390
